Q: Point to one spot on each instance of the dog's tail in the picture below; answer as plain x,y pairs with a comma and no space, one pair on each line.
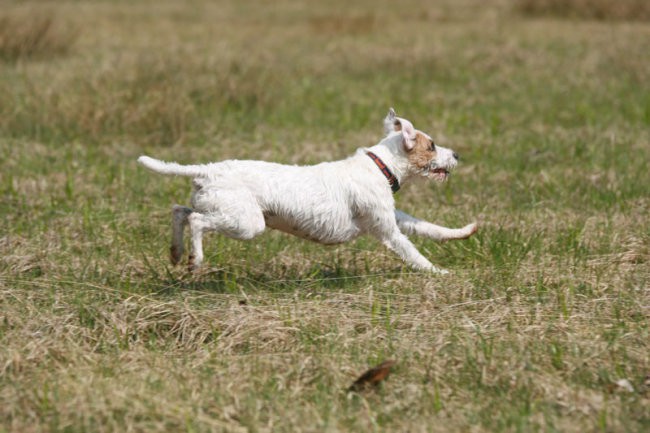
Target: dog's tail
163,167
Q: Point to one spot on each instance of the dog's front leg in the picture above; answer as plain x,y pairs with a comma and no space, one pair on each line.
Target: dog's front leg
399,243
411,225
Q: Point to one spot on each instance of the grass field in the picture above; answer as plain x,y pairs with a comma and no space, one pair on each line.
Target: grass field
543,324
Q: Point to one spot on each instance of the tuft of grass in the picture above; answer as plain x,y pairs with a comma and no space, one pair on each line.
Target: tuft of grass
33,34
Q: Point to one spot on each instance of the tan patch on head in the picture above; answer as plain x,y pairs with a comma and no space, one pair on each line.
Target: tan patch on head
422,154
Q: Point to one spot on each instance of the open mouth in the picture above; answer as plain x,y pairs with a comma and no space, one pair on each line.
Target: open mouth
439,173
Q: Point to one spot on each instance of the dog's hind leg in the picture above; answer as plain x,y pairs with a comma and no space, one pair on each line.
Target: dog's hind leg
179,221
235,214
198,224
411,225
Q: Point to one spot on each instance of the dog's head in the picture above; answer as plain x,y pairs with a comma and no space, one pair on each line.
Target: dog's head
424,157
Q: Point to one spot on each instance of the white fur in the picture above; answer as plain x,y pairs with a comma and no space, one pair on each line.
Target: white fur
330,203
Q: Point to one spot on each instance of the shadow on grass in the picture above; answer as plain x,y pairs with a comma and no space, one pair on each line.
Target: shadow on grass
318,278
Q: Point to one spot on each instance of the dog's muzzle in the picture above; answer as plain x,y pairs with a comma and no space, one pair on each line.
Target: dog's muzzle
440,170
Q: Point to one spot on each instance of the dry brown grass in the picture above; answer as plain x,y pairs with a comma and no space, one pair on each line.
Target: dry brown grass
608,10
343,24
150,362
32,33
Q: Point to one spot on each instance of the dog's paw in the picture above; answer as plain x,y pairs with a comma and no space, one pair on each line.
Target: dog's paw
470,229
175,254
192,265
438,271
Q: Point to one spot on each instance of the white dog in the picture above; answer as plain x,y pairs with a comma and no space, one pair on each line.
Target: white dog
330,203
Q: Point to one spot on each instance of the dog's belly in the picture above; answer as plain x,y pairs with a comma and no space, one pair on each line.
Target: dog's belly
328,233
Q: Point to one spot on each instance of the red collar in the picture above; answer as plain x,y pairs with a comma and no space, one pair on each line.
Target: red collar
392,180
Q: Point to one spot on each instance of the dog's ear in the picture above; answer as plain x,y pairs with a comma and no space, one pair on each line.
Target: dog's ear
392,123
408,132
389,121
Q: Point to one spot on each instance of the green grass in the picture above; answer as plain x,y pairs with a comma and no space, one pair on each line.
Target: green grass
545,310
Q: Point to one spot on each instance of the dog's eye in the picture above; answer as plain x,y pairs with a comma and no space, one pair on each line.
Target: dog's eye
433,146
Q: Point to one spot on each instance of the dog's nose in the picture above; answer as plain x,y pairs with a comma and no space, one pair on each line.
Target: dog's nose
455,156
